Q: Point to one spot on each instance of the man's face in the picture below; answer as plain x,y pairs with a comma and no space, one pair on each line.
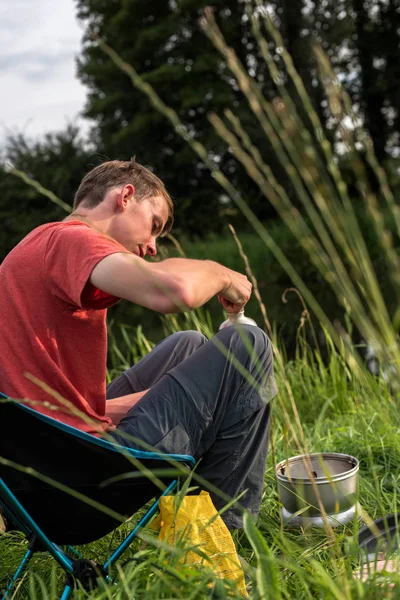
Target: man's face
139,225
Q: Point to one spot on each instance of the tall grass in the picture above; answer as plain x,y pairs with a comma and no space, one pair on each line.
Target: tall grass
333,240
337,412
330,403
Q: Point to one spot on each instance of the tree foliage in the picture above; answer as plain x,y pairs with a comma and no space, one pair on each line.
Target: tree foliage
164,42
58,163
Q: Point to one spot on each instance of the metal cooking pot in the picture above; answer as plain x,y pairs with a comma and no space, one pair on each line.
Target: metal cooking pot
381,537
330,475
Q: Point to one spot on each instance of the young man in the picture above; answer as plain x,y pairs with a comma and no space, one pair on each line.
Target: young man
186,396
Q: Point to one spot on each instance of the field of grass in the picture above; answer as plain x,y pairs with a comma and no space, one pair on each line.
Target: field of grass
321,406
327,401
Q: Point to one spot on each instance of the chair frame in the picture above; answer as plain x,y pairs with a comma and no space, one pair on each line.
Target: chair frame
85,571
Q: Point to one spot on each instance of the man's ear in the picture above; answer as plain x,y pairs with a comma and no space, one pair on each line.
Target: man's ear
127,193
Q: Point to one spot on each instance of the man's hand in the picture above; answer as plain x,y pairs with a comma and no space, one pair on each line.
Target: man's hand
116,408
236,295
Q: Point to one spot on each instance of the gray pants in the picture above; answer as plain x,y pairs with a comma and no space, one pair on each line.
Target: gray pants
209,399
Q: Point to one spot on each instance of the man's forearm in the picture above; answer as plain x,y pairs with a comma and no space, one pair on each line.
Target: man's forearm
203,279
116,408
172,285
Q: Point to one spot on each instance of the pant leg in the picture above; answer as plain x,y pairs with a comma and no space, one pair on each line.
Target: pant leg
214,406
166,355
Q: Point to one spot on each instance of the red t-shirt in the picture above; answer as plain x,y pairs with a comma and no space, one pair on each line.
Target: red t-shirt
53,322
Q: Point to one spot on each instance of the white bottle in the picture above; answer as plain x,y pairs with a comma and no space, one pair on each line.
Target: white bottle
237,319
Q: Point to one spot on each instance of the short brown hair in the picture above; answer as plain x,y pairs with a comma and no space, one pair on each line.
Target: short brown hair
113,173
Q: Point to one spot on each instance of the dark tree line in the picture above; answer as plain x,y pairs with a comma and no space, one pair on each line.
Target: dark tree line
164,42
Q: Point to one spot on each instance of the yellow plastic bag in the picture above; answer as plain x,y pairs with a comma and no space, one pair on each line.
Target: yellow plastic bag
198,521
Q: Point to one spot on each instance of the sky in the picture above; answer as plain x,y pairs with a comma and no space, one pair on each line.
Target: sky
39,91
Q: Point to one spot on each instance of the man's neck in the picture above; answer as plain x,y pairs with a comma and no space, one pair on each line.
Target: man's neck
90,218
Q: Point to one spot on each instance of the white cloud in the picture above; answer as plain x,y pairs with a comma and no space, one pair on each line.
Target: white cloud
40,40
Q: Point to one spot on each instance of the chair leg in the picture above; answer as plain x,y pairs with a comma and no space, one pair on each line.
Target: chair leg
152,510
66,592
18,572
34,530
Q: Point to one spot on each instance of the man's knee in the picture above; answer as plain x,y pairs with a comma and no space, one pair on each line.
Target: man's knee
248,339
192,339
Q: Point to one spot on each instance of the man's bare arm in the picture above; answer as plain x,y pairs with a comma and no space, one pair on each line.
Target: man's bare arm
172,285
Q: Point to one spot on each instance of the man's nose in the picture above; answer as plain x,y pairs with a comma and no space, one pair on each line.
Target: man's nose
151,249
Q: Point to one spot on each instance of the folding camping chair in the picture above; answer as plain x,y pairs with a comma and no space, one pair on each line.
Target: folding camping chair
86,470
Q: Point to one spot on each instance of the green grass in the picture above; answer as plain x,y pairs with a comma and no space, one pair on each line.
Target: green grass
335,413
326,401
272,278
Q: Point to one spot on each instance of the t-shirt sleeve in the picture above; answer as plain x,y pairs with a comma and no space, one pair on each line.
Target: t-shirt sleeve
71,254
